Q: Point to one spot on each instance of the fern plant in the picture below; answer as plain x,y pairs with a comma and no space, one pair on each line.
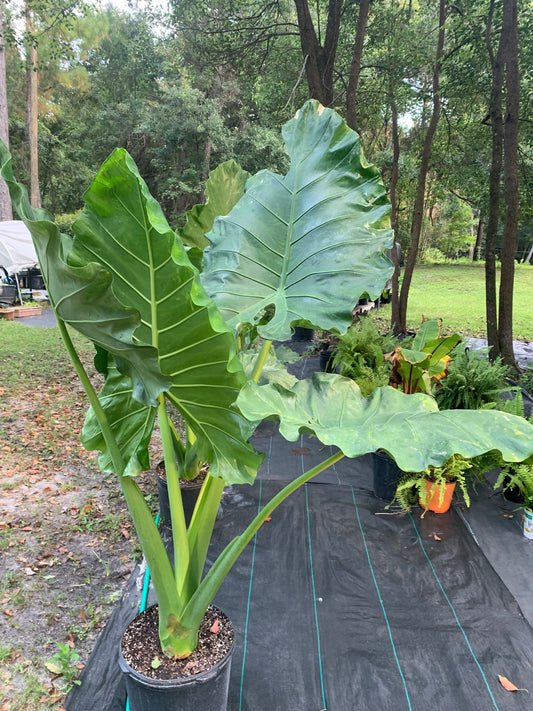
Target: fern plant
517,476
360,353
473,382
412,488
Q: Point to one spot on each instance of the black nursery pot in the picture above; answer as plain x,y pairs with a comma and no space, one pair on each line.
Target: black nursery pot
326,360
206,691
303,334
190,490
387,475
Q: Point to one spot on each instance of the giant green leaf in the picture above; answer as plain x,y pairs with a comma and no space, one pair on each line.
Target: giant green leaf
409,427
308,243
224,188
82,295
131,422
123,228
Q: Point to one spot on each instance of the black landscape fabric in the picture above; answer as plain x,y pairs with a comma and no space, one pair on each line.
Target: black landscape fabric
342,604
339,604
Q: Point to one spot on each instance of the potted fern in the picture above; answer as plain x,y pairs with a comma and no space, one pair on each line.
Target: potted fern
167,334
519,478
433,488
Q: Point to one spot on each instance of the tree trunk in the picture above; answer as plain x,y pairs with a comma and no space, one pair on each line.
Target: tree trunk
6,211
395,316
207,167
496,123
320,60
355,69
479,239
418,211
32,108
510,181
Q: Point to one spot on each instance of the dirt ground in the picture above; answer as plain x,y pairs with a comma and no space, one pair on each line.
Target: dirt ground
66,543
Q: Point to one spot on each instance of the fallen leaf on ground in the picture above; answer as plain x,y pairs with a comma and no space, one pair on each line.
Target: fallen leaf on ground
508,685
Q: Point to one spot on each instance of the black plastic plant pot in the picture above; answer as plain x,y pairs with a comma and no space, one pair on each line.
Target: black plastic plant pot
387,475
190,490
206,691
303,334
326,360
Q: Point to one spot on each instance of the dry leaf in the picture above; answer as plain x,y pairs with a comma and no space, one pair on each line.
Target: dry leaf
508,685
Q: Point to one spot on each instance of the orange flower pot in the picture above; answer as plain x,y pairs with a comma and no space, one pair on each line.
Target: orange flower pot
433,502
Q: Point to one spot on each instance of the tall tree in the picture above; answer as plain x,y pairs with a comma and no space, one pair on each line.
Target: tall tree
6,210
510,181
418,212
319,58
32,104
504,126
493,219
355,68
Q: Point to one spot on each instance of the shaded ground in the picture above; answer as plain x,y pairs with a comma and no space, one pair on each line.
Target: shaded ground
65,535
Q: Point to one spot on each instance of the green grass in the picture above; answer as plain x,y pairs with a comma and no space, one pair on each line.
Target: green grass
456,294
27,353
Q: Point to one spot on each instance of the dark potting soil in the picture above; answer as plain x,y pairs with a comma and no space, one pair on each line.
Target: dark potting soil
140,646
185,483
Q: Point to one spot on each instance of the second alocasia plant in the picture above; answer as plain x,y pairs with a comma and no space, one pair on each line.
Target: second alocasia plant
167,325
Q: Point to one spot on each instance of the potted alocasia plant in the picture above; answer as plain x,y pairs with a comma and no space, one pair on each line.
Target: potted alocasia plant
296,248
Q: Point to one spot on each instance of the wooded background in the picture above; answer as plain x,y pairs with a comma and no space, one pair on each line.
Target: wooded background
440,93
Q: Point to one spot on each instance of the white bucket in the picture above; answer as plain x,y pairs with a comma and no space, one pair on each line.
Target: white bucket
528,523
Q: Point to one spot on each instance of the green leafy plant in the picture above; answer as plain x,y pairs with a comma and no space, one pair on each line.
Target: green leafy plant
526,380
64,664
413,489
472,381
360,354
417,367
518,477
295,248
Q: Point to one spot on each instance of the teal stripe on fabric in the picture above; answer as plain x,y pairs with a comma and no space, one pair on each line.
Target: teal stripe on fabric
249,599
321,673
381,601
455,615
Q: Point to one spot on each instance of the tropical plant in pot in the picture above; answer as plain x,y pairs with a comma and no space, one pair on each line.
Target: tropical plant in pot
296,248
416,367
518,478
433,487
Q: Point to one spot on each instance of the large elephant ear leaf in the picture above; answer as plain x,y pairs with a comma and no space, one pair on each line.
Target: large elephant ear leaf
122,227
308,243
82,295
224,188
131,422
409,427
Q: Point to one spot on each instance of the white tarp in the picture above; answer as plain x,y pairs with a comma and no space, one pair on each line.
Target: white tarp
16,247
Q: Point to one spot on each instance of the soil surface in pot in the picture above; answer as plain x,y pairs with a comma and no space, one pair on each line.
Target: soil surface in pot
140,646
185,483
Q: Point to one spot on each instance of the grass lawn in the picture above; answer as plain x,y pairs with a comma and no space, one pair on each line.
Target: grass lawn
456,294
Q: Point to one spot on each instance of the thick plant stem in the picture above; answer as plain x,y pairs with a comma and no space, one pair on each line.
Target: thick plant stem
261,360
179,528
152,545
194,611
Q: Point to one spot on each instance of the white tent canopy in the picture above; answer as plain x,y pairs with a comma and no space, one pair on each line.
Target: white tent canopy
16,247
